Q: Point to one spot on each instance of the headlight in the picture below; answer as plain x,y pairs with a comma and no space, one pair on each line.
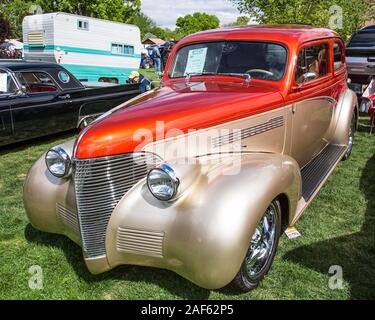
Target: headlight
58,162
163,182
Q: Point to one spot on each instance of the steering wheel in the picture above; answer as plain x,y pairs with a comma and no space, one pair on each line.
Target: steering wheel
269,73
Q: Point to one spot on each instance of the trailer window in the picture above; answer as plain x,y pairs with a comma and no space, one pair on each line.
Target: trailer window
122,49
83,25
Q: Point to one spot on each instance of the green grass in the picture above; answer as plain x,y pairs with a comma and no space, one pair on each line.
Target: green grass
337,229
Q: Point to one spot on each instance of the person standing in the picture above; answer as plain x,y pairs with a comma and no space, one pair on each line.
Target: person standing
156,56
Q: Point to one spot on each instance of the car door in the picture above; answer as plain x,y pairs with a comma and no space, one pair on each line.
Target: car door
43,108
7,91
313,110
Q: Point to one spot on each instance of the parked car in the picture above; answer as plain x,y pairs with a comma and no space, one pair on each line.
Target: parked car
202,175
38,99
360,52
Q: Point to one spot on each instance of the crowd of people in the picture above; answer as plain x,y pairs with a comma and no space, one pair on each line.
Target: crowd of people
10,54
157,57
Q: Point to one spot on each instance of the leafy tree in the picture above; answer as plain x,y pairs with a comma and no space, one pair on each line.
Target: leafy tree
4,28
323,13
149,29
196,22
241,21
115,10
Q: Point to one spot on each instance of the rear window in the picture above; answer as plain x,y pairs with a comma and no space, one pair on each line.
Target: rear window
363,39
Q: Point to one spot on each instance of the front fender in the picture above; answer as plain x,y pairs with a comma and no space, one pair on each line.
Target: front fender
50,201
204,234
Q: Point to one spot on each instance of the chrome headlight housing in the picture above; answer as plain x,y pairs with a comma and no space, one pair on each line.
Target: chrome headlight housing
58,162
163,182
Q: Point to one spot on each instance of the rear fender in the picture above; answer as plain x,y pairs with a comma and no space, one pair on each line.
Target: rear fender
347,106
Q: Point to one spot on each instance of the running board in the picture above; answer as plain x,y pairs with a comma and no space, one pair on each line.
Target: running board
315,173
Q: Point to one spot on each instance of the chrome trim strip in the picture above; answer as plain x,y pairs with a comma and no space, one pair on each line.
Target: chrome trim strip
248,132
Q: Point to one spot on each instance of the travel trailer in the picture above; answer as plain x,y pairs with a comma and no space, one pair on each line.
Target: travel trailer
92,49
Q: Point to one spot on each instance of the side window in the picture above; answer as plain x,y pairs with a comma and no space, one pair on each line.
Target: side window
122,49
312,63
7,85
36,82
337,56
83,25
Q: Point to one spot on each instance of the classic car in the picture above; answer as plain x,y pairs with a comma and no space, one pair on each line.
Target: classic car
38,99
202,175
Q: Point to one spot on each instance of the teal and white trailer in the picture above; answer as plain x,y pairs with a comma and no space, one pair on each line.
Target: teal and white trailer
92,49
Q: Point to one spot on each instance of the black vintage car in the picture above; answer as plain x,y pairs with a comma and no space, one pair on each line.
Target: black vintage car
37,99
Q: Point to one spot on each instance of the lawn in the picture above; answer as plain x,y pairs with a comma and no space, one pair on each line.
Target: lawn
337,229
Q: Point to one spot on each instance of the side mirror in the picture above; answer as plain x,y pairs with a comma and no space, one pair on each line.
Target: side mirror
306,77
20,92
23,90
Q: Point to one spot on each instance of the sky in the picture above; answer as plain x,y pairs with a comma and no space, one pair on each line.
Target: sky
165,12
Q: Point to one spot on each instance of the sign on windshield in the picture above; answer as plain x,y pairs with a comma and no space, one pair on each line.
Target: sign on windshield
196,61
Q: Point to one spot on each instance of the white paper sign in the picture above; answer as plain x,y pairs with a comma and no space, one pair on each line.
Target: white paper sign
3,82
196,61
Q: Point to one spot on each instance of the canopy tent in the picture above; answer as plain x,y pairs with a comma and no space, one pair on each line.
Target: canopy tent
13,43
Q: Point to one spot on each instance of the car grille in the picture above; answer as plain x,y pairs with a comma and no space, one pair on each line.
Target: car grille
142,242
100,184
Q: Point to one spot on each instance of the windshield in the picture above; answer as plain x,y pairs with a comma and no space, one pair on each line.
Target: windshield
365,39
262,60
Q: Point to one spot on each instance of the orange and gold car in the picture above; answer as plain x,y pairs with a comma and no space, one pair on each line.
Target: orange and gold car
202,175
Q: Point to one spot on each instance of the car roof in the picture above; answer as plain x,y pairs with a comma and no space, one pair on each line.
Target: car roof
23,65
287,33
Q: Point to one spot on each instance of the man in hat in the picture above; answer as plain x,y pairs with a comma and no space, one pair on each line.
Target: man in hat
136,77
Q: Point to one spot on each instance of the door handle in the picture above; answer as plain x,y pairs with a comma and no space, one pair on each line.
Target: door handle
64,97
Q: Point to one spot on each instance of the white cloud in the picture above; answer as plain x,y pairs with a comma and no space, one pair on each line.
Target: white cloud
165,12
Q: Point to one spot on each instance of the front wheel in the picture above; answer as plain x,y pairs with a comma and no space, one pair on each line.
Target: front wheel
262,249
351,139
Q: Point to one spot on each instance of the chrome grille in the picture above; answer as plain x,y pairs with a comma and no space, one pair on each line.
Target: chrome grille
69,218
143,242
100,184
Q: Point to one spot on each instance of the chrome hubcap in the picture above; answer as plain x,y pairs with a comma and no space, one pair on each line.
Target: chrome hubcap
351,138
262,243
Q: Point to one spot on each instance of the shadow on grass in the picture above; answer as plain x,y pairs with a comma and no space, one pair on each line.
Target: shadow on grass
355,253
165,279
23,145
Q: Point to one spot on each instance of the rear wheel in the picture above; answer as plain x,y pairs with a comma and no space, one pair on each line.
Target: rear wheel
351,139
262,249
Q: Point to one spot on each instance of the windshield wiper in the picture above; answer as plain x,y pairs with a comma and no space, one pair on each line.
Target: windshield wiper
245,76
197,74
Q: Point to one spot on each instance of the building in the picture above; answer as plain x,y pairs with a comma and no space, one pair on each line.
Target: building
152,42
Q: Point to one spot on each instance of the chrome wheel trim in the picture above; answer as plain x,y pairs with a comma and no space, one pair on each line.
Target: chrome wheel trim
262,243
351,138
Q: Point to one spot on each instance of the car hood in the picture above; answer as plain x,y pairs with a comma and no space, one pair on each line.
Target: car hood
182,106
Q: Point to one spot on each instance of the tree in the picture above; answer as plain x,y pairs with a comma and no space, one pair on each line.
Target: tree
345,16
241,21
196,22
116,10
4,28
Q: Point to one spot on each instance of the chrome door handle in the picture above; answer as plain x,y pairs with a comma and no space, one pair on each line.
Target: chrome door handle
64,97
